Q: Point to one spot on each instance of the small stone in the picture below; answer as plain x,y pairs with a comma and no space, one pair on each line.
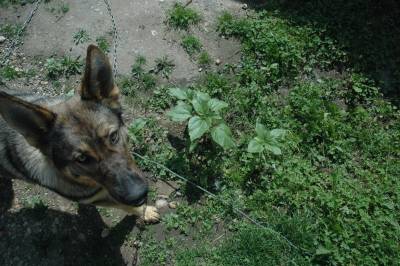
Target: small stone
173,205
105,232
200,69
2,39
218,62
178,194
161,203
245,6
153,32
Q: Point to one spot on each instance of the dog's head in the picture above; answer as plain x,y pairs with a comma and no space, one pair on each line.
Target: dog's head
84,137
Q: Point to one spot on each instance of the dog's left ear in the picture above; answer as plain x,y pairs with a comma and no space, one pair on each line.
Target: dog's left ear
98,83
32,121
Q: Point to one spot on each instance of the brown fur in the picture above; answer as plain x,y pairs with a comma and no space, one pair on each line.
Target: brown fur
81,143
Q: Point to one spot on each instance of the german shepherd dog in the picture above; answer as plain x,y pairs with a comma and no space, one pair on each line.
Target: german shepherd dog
76,147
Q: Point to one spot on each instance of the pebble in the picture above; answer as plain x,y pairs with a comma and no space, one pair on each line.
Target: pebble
153,32
161,196
200,69
218,62
2,39
161,203
245,6
105,232
173,205
178,194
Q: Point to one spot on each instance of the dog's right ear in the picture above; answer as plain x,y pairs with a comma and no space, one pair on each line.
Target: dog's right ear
98,83
30,120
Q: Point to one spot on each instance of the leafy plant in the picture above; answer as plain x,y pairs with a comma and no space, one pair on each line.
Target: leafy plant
103,44
81,36
165,66
135,129
65,66
204,59
191,44
10,31
181,17
266,140
9,73
204,115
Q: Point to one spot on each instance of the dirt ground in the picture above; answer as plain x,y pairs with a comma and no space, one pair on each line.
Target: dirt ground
63,233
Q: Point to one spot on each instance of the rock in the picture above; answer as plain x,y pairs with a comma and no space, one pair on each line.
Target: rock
105,232
153,32
218,62
245,6
200,69
2,39
173,205
178,194
161,203
161,196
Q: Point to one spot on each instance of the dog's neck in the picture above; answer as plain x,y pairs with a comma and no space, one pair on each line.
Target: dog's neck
43,172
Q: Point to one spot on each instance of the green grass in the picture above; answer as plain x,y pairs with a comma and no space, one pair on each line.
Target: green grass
191,44
180,17
204,59
10,31
332,188
64,66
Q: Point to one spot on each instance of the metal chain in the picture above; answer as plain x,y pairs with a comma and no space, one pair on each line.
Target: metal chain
115,39
14,43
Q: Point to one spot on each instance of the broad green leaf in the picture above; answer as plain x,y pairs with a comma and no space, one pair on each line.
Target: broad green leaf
197,127
217,105
277,133
322,251
274,149
181,112
222,135
137,125
203,96
193,146
255,146
178,93
200,105
357,89
262,131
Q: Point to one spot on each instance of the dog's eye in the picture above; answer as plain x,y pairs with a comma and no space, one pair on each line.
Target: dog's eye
114,137
82,158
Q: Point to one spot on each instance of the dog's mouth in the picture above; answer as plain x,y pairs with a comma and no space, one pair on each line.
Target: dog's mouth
128,200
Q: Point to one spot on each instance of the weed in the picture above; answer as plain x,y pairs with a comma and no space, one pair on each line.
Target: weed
65,66
10,31
103,44
204,59
180,17
81,36
165,66
59,8
191,44
9,73
204,115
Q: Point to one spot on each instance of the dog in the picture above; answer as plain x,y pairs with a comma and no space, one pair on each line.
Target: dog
77,146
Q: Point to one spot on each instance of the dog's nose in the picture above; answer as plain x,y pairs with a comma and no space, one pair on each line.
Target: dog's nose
137,193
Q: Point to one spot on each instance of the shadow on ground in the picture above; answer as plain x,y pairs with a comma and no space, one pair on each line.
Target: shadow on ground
368,30
41,236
